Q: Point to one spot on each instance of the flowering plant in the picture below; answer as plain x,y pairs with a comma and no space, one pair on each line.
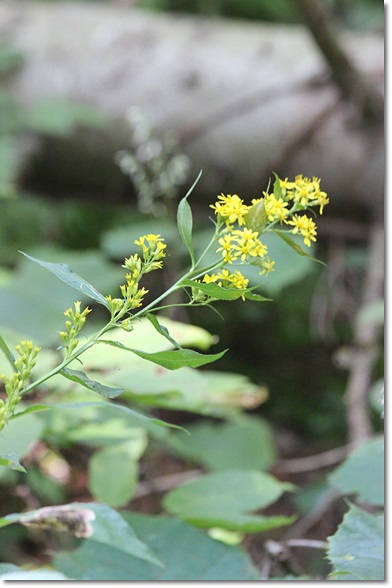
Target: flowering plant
237,240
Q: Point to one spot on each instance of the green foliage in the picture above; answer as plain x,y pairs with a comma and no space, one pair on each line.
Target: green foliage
172,541
356,550
352,477
225,499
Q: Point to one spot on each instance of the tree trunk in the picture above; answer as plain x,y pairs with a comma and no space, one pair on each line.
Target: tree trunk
244,99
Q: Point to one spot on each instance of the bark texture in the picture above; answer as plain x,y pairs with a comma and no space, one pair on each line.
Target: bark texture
244,99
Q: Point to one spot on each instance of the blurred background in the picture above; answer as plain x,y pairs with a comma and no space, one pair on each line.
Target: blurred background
109,110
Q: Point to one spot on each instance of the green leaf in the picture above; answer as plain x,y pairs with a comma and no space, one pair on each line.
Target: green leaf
256,217
352,476
291,243
214,291
256,297
225,499
250,441
162,330
82,379
188,554
113,472
277,189
19,434
98,521
11,461
357,549
9,356
185,221
65,274
172,359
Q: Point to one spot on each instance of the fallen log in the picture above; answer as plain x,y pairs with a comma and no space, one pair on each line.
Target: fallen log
244,99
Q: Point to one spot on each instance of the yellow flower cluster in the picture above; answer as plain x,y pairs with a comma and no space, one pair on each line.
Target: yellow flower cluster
73,325
15,383
231,209
225,279
153,251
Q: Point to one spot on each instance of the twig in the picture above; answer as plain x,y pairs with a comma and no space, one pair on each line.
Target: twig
312,543
349,79
365,341
313,462
164,483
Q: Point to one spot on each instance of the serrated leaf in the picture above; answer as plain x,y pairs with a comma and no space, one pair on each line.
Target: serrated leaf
291,243
352,476
256,217
172,359
357,549
82,379
67,275
9,356
225,499
11,461
185,221
162,330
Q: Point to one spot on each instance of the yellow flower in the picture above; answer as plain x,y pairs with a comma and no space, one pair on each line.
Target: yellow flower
276,208
267,267
305,226
230,208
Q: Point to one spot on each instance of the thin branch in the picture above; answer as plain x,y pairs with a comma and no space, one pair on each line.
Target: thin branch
365,343
313,462
350,80
165,483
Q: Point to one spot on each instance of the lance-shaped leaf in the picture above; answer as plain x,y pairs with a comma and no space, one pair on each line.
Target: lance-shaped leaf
185,221
11,461
173,359
162,330
291,243
67,275
8,354
82,379
214,291
277,189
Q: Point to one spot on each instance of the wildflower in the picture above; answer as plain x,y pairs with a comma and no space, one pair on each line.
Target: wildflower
305,226
230,208
276,208
247,243
267,266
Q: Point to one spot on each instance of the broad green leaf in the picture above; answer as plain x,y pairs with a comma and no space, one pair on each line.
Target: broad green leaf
82,379
162,330
226,499
11,461
188,554
362,473
172,359
215,291
250,443
113,472
65,274
357,548
185,221
87,519
291,243
256,217
9,356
